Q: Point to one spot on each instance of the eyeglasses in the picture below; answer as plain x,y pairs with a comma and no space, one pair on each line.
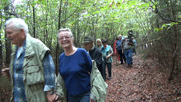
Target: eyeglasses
66,38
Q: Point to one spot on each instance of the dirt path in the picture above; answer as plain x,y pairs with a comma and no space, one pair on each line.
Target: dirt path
141,83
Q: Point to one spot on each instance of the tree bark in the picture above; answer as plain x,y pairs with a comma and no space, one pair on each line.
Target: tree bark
7,42
175,43
1,55
34,29
57,47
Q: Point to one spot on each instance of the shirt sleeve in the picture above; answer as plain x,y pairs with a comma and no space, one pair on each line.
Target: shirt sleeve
98,57
111,50
135,43
88,60
49,72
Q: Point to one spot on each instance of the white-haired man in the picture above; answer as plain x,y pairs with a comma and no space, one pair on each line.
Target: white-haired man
119,49
32,69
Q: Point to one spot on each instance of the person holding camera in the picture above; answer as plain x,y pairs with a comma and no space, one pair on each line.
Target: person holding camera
127,43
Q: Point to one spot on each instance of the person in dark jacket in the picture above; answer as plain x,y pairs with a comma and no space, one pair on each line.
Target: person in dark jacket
94,52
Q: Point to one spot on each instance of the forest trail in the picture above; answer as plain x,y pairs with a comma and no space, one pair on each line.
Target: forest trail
141,83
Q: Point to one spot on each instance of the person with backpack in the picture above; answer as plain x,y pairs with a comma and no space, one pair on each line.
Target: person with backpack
134,46
127,44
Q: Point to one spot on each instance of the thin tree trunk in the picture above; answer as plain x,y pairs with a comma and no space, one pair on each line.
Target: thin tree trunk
7,42
175,43
34,30
1,55
78,32
59,26
46,30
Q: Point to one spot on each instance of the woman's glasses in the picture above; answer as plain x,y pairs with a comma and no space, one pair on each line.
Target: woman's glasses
66,38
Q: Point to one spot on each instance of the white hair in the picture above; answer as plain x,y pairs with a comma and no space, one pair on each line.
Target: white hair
17,24
99,40
64,29
119,36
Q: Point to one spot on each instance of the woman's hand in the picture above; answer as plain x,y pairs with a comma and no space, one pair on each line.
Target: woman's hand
52,97
92,100
107,57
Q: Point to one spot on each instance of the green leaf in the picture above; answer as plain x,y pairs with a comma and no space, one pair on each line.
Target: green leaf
96,12
156,29
164,25
173,23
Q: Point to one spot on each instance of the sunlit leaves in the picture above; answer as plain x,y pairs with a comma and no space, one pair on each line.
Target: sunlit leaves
158,29
117,12
167,26
4,3
96,12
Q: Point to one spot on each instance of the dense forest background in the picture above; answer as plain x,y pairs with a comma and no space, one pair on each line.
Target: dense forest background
156,24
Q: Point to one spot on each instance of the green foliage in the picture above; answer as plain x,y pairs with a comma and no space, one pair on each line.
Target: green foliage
100,17
168,26
3,3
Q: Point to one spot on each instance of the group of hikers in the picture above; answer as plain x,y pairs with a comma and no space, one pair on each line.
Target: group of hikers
82,71
124,48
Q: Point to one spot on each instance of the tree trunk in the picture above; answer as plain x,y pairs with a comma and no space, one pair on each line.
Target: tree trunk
1,55
57,47
175,43
34,30
78,32
7,42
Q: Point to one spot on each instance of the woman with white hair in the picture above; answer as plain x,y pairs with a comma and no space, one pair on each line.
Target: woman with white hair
75,64
99,43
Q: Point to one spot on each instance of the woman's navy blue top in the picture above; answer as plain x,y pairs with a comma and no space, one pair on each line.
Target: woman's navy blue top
75,71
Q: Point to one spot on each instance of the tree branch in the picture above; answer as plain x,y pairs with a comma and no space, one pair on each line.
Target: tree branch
163,16
69,16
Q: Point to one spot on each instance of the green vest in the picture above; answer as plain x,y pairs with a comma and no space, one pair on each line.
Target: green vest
33,76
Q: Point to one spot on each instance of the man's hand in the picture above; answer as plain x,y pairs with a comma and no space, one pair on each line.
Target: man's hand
5,72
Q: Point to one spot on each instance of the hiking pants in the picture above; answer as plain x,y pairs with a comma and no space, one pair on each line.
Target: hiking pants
128,55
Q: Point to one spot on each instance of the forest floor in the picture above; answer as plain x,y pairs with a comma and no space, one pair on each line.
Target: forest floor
142,83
